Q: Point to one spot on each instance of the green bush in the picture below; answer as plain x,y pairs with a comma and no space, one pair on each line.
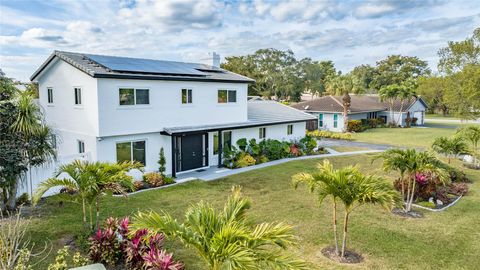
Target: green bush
242,144
24,199
261,159
275,149
310,143
328,134
168,180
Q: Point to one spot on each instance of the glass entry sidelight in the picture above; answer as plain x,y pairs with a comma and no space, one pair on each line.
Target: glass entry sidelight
192,152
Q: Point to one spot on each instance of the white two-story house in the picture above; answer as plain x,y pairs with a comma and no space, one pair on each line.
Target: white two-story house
122,109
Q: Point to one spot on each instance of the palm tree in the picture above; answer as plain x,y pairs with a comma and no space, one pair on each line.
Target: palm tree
350,187
472,134
225,239
87,181
409,162
346,102
389,94
450,147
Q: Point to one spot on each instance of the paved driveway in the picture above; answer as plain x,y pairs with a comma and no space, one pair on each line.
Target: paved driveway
332,143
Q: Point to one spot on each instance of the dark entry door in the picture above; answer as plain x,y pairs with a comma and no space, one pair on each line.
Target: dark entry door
192,152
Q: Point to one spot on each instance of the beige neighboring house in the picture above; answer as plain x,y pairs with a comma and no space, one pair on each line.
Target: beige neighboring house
329,110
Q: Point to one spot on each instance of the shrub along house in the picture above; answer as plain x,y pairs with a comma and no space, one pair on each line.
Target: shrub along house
329,110
118,109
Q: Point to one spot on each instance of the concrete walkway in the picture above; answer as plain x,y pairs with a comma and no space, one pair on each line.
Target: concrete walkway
213,173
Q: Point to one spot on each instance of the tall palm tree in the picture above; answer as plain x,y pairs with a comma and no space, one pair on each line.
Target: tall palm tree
389,94
450,147
409,162
225,239
472,134
350,187
346,103
86,181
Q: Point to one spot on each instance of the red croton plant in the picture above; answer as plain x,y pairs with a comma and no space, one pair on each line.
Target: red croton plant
116,245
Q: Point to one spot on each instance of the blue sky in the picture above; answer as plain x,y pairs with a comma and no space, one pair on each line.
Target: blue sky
349,33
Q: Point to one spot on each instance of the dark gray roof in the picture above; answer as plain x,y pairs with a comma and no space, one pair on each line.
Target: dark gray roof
103,66
260,113
358,104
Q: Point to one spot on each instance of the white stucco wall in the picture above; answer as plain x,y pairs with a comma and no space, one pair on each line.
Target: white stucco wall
165,108
328,123
71,122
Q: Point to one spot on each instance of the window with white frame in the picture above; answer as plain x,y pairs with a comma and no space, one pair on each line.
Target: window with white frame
186,96
78,95
227,96
262,132
289,129
131,151
81,146
50,95
133,96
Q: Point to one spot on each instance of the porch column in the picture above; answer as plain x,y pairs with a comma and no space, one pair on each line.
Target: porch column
220,149
174,156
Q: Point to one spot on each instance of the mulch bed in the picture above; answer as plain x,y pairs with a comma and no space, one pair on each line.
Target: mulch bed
350,256
411,214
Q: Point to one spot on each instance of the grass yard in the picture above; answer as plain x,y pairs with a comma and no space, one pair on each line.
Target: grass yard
420,137
440,116
445,240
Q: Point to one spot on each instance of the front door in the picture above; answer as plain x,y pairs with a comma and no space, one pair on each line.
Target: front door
192,152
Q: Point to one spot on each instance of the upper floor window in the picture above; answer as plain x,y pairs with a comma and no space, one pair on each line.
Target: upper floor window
186,96
289,129
81,146
335,120
227,96
132,96
320,120
131,151
50,95
78,95
262,132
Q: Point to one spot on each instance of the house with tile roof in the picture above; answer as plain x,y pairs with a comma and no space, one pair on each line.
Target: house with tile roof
121,109
329,110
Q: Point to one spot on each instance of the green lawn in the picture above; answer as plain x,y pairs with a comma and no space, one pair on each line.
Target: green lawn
440,116
446,240
410,137
348,148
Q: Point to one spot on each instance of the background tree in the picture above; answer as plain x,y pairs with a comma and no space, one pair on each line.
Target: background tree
396,69
472,134
350,187
316,75
432,89
25,140
459,54
363,75
225,239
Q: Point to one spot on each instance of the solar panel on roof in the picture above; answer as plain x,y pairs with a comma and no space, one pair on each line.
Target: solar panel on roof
126,64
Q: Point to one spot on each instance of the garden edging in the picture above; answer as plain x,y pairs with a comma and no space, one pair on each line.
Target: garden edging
441,209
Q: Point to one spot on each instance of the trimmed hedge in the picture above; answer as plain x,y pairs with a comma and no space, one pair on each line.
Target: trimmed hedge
328,134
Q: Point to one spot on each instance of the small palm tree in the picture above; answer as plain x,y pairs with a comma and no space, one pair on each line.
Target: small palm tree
409,162
87,181
450,147
472,134
350,187
224,239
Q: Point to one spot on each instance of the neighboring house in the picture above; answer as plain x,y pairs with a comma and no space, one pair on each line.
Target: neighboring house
329,110
121,109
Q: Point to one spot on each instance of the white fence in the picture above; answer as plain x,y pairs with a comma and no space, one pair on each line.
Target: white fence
37,175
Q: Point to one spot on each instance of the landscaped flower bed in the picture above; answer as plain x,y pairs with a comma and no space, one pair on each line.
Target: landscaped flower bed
319,134
248,153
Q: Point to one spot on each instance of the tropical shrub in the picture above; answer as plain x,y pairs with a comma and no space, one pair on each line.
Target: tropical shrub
62,261
349,187
153,179
261,159
115,244
310,144
472,135
450,147
24,199
14,245
168,180
295,150
242,144
138,185
355,126
458,189
328,134
226,239
275,149
245,160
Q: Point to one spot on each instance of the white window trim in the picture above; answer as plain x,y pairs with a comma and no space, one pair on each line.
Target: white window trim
264,133
288,127
227,103
135,105
131,147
